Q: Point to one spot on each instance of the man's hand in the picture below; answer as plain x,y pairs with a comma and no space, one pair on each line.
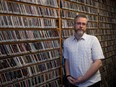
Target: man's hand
71,79
78,80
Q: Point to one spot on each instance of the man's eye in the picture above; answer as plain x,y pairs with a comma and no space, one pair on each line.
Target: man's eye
79,23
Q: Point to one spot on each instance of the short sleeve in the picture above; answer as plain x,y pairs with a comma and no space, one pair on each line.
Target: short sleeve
97,52
65,51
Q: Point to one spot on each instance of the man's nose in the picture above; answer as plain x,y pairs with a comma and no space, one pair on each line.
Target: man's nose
81,25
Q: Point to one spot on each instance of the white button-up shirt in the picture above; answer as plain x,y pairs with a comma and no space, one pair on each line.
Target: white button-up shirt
81,54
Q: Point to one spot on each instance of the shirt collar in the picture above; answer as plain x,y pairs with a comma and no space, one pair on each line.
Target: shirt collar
83,37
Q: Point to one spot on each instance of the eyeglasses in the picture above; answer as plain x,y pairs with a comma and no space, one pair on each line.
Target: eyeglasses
80,23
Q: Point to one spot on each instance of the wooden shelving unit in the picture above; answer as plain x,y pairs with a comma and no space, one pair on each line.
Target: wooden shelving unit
32,33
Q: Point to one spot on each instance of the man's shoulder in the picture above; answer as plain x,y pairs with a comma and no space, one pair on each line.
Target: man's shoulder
69,38
91,36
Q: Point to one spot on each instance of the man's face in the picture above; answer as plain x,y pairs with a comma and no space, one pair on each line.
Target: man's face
80,25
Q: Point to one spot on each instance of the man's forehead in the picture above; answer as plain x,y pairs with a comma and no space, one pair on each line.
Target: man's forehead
81,19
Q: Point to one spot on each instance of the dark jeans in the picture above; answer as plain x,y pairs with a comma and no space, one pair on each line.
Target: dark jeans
94,85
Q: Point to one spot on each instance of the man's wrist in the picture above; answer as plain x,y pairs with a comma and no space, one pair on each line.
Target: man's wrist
68,76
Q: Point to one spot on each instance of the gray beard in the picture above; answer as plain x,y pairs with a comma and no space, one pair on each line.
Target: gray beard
79,34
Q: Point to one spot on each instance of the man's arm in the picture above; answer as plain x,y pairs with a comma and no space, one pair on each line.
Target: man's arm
67,67
92,70
70,78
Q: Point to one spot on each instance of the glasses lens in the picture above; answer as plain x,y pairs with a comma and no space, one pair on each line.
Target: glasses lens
80,23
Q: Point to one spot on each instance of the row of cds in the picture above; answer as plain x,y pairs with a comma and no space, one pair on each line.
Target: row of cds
107,49
101,32
30,22
24,73
33,82
110,55
22,35
24,60
87,2
107,19
106,26
108,8
51,3
107,2
67,23
92,25
20,48
52,84
78,7
25,9
105,13
71,14
93,18
108,45
68,14
106,38
26,22
70,24
33,70
67,33
94,3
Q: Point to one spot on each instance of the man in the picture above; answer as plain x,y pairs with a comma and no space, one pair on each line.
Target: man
83,54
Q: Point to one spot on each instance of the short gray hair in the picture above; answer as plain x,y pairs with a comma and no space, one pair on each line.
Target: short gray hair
80,16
